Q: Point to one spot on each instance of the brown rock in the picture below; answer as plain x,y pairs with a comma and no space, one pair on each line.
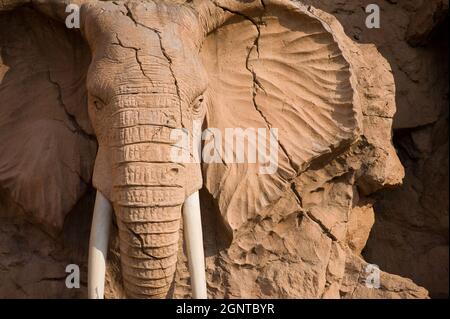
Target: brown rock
298,233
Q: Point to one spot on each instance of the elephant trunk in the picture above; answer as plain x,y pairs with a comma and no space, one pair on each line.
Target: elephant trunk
148,245
148,196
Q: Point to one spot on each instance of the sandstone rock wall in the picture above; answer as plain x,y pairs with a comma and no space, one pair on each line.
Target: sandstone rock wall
312,242
410,234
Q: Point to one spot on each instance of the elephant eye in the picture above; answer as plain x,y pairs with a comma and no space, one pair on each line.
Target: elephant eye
98,103
197,104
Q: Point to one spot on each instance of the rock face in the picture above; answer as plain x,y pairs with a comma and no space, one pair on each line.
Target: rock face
410,234
319,239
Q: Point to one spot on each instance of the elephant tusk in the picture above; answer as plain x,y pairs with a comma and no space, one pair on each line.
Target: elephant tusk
194,244
98,246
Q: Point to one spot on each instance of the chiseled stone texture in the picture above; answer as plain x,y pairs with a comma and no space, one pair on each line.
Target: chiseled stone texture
312,242
410,234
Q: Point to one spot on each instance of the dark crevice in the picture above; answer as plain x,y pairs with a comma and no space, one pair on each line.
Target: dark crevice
297,194
57,279
76,127
322,226
263,4
378,115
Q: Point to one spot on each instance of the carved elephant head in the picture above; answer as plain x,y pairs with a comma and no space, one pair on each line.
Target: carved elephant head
142,69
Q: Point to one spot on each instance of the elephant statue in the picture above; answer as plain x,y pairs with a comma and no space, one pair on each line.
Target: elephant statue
138,73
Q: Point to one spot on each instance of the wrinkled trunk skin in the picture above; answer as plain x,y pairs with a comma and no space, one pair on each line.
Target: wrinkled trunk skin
148,246
149,193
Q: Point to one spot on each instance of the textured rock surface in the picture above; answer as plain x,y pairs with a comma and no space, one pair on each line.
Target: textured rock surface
309,243
410,235
33,262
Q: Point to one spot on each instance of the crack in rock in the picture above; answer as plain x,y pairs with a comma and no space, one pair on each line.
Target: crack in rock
322,226
298,197
141,242
76,127
256,83
136,50
163,51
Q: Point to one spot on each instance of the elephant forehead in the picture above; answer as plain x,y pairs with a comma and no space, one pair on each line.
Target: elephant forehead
146,39
161,16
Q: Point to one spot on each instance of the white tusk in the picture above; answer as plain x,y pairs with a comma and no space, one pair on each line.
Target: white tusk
194,244
98,246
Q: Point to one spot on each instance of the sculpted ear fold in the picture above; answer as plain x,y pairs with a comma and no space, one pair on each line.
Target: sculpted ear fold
273,65
47,150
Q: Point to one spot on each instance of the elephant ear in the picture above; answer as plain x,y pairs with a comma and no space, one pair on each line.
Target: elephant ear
272,65
47,151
